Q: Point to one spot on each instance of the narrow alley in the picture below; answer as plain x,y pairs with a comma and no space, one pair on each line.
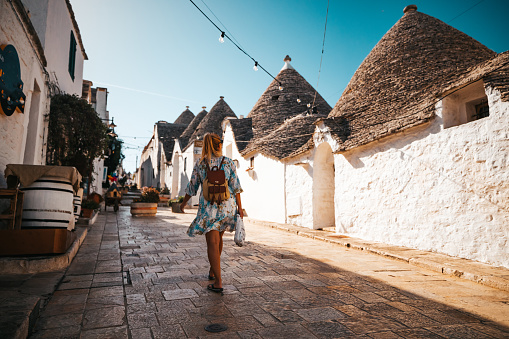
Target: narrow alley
145,278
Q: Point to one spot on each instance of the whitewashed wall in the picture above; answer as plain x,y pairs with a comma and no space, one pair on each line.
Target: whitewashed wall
443,190
22,135
264,186
101,107
53,23
299,191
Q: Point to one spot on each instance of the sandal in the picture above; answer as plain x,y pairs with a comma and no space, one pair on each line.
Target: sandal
211,287
211,277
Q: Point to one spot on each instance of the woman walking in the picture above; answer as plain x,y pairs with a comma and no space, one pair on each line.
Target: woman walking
216,216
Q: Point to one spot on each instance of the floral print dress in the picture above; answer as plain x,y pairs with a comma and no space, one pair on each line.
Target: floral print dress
213,216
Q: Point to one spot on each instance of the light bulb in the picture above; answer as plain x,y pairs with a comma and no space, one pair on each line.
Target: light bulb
309,105
255,67
221,38
280,87
298,99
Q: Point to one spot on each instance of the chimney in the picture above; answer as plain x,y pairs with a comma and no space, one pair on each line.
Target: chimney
410,9
241,117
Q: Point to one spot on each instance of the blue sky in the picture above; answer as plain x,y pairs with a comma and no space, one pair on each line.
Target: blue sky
158,56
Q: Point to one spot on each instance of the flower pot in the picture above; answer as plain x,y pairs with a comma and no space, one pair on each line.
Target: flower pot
87,212
144,209
175,207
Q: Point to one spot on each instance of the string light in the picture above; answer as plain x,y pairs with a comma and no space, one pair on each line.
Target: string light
255,67
298,99
221,38
224,35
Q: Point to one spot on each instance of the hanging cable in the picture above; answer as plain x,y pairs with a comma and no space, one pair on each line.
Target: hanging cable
236,45
226,29
321,57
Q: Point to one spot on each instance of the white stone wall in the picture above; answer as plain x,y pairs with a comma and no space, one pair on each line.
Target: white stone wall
264,185
17,147
52,21
299,191
443,190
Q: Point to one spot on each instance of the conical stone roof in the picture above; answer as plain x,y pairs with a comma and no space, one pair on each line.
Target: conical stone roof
211,122
185,117
282,122
275,105
188,132
395,87
167,133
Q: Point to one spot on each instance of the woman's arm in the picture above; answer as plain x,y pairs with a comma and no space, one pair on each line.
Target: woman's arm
184,203
239,205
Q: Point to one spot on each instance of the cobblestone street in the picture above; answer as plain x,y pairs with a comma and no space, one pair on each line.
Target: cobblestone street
145,278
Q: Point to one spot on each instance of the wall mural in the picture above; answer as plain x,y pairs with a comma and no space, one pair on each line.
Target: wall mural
11,87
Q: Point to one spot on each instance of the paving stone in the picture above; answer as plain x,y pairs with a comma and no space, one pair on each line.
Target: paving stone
329,329
141,333
457,331
109,332
171,331
319,314
104,317
60,320
286,331
106,301
71,332
179,294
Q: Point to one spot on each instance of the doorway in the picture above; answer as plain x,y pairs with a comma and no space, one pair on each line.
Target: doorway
323,187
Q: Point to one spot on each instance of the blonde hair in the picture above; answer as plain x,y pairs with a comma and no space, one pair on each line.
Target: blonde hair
211,146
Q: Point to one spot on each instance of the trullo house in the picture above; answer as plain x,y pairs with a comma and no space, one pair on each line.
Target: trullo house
419,143
155,169
278,185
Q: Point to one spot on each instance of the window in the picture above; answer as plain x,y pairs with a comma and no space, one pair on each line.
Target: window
465,105
185,164
251,162
482,110
72,56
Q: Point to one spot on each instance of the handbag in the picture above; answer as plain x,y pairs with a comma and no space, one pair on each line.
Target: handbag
240,232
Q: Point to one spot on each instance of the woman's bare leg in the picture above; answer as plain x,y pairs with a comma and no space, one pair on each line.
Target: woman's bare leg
211,273
214,239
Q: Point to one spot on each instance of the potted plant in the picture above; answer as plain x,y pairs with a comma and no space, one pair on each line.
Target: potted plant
146,205
175,204
165,195
87,208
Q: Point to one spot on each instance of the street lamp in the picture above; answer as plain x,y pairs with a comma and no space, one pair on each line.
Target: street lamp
111,125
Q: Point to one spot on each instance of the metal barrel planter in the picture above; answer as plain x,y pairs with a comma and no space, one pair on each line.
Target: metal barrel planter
77,204
144,209
48,204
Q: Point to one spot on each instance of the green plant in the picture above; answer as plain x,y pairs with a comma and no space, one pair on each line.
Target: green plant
148,194
76,134
165,190
178,199
90,204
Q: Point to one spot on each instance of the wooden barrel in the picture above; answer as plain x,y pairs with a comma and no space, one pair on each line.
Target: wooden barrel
77,204
143,209
48,204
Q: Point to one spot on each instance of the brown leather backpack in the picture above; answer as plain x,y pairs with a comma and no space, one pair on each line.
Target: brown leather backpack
215,186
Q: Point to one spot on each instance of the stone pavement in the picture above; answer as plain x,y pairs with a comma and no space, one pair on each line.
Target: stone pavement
145,278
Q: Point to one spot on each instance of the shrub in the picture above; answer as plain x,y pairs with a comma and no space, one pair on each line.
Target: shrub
179,199
148,194
165,190
90,204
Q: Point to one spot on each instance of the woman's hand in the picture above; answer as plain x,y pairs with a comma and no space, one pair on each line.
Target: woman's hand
184,203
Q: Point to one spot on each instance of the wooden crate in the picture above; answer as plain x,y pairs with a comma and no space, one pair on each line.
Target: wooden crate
35,241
